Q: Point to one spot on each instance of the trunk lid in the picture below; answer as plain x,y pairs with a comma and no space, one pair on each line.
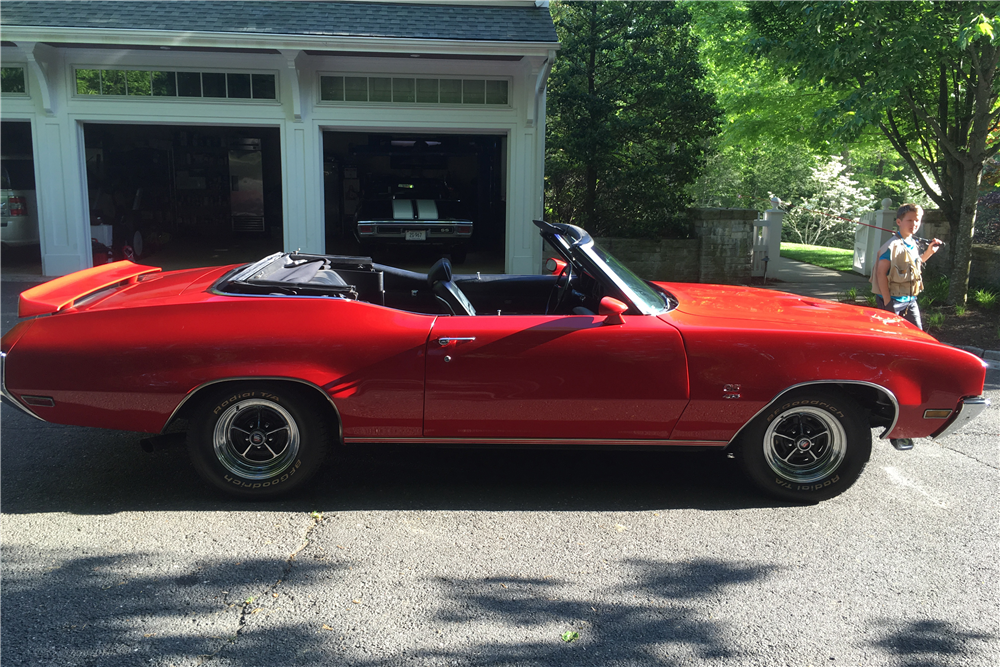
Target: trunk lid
116,285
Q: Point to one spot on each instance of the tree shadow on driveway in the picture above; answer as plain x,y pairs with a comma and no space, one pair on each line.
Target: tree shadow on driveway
99,611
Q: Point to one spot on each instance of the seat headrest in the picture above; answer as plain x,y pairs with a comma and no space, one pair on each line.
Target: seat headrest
440,272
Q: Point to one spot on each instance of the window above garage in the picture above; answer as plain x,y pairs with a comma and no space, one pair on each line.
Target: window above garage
413,90
156,83
12,81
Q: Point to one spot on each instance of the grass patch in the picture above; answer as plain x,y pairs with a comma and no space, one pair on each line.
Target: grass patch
837,259
849,296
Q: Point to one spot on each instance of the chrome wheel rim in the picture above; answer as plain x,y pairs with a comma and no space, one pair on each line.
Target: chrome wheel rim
256,439
805,445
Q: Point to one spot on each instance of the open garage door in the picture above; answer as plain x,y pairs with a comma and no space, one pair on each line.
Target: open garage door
178,196
410,198
18,199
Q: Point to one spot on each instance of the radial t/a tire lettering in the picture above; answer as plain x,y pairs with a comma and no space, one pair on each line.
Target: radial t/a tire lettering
258,440
806,447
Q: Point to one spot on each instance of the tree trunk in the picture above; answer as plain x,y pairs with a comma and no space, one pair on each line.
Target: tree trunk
972,174
961,251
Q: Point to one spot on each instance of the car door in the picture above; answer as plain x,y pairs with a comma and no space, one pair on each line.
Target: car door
553,378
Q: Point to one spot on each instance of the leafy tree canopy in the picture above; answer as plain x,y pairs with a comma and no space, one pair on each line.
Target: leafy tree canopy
628,117
923,73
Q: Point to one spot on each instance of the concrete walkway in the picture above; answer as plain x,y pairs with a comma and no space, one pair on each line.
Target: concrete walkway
809,280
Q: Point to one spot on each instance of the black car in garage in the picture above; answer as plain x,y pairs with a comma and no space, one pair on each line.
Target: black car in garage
413,212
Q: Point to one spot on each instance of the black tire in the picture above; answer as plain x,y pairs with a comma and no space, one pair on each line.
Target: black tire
283,435
808,446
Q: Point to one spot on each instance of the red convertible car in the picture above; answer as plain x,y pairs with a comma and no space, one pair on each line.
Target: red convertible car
270,365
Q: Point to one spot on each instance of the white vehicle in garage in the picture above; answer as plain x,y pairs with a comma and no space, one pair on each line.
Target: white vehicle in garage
18,204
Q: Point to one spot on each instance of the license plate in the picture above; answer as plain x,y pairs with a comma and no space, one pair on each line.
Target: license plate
417,235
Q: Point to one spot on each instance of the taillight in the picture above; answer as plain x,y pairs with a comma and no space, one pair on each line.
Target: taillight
464,229
18,206
366,229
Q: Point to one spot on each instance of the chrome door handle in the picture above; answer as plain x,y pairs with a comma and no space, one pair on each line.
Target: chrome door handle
445,342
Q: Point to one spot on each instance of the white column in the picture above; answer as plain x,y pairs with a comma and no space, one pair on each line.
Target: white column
57,142
301,162
302,187
63,218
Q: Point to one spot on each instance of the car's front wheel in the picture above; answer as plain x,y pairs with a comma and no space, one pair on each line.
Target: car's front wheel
258,440
807,447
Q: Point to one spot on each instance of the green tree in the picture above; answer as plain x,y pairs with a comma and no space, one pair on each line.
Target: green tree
924,73
628,117
826,218
770,138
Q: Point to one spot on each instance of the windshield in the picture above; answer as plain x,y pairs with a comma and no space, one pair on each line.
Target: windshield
650,301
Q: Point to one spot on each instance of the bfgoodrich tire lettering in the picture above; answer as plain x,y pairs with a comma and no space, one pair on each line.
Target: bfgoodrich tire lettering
258,440
807,447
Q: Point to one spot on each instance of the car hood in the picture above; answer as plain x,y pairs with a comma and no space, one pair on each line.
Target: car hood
748,307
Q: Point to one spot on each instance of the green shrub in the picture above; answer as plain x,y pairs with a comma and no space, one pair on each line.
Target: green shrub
934,320
935,291
985,299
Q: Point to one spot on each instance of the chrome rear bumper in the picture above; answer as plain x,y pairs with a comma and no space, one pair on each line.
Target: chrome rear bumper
968,409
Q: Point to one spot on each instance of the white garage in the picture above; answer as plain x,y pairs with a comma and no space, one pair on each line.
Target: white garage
193,125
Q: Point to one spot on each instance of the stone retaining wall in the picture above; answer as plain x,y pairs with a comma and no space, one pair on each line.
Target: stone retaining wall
719,253
672,260
985,267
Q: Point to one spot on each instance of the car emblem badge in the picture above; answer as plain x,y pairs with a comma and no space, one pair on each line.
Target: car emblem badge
804,444
257,438
730,391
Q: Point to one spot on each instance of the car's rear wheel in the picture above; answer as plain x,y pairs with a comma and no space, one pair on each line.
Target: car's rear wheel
807,447
258,440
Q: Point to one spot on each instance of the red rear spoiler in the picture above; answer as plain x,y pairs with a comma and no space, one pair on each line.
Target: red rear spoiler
53,296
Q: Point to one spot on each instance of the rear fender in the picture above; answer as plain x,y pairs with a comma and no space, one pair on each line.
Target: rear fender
190,402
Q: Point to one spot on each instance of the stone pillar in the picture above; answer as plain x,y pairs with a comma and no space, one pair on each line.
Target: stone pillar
726,244
773,218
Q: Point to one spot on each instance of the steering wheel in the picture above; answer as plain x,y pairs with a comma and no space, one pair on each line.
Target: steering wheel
560,290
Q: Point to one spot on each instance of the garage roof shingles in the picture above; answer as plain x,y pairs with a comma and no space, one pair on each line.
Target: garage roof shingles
512,23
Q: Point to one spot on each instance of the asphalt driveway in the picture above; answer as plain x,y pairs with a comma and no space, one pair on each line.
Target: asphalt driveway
416,556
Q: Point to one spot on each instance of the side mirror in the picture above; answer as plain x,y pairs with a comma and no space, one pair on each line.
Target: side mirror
613,308
554,265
